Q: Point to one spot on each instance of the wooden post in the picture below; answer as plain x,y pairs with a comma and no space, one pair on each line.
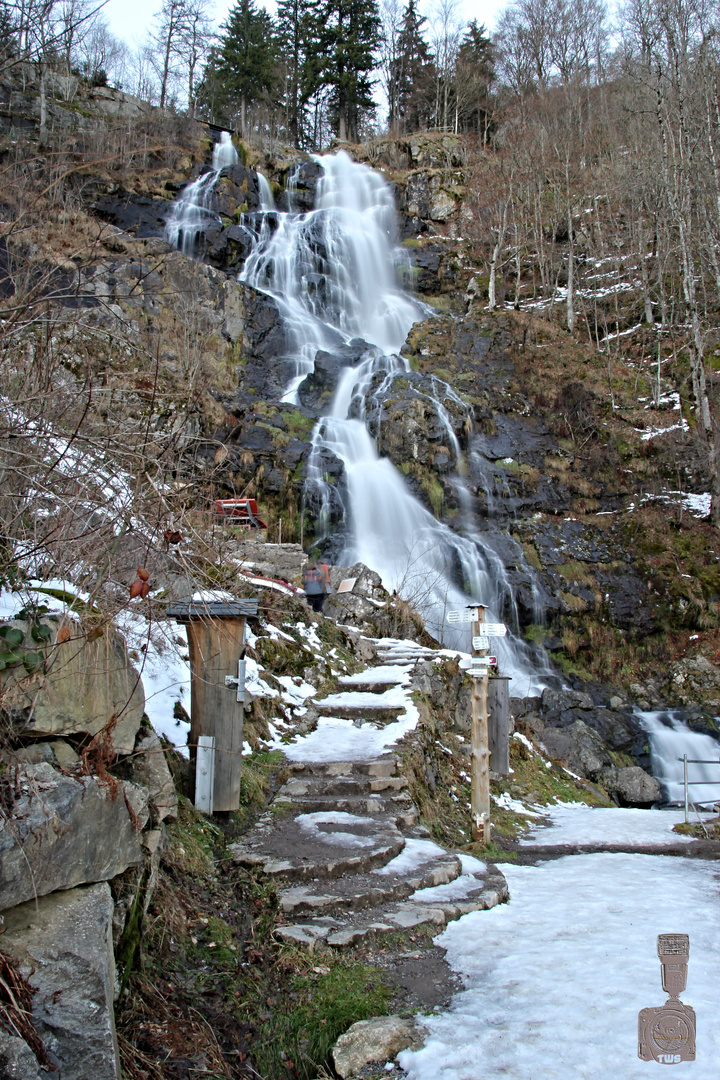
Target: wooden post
480,753
216,635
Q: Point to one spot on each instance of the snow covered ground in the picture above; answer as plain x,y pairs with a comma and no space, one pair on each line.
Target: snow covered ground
575,823
555,978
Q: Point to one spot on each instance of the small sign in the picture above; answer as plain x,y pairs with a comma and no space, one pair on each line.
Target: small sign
463,615
481,672
495,629
481,644
347,584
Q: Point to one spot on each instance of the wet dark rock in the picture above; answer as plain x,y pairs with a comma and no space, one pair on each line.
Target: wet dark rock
316,391
139,215
416,197
302,185
227,248
264,332
427,265
237,191
411,225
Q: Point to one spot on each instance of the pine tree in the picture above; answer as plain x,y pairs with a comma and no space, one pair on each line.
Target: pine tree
242,70
298,28
8,33
351,37
415,73
473,77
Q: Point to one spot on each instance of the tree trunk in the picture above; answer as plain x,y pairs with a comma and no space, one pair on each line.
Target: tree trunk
43,101
571,257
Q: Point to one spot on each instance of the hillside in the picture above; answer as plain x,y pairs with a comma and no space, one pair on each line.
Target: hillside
421,420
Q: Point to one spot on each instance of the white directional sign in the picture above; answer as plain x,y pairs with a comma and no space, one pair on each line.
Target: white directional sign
480,644
494,629
464,615
485,661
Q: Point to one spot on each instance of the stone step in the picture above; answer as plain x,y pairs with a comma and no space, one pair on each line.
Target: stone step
324,844
434,907
371,714
340,786
384,766
316,798
422,864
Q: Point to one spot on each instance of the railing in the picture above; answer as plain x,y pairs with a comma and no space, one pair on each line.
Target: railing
696,783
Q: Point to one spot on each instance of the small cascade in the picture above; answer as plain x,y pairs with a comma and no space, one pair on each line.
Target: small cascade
670,740
333,271
267,203
193,211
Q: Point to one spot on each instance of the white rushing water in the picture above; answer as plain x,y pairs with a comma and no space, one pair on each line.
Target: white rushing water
670,740
336,275
193,210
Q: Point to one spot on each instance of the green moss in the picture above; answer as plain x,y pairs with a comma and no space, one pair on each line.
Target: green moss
128,949
576,571
411,242
299,425
532,556
433,489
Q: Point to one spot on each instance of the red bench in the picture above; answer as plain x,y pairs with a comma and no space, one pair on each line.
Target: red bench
243,512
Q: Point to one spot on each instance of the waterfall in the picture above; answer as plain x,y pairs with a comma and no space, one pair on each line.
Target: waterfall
670,740
336,274
193,211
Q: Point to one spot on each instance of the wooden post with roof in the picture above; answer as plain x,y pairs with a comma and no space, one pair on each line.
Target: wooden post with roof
216,640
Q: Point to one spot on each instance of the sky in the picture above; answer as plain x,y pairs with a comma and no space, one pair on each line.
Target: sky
131,19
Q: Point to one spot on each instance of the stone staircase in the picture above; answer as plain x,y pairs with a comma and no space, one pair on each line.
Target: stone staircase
342,839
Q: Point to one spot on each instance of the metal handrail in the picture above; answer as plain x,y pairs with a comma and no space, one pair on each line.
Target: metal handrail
696,783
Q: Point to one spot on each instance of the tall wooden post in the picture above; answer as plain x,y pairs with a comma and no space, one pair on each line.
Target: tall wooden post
480,753
216,636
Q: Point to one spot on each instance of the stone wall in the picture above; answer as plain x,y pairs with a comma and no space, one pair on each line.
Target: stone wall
86,791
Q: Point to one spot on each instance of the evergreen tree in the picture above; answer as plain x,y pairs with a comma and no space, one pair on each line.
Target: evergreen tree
473,78
9,44
298,27
415,77
351,36
242,70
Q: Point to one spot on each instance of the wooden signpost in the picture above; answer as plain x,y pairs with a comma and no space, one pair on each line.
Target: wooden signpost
216,639
481,632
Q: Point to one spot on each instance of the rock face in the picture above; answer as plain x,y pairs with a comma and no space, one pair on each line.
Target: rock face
87,687
591,739
17,1061
150,771
379,1039
63,832
64,949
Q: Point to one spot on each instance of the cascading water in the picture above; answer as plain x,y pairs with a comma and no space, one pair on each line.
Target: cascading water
193,211
335,275
670,740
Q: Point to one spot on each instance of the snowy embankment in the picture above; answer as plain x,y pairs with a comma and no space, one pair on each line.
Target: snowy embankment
575,823
555,978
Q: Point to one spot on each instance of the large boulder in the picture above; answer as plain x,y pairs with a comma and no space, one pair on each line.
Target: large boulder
63,946
579,747
630,785
86,687
378,1039
63,832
